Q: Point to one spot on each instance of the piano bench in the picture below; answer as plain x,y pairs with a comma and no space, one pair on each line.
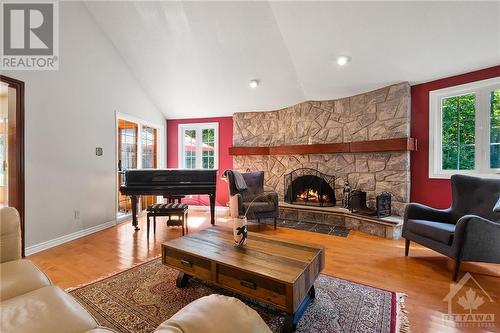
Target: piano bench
170,210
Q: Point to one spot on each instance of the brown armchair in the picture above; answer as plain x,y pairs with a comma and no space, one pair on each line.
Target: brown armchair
249,189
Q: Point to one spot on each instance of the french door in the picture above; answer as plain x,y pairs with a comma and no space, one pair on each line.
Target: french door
137,149
12,146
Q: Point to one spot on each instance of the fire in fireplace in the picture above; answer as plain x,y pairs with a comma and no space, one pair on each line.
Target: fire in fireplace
307,186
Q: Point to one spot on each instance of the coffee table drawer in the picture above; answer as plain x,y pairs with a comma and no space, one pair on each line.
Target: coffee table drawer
252,285
188,263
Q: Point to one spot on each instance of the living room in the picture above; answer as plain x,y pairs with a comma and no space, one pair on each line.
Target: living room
251,166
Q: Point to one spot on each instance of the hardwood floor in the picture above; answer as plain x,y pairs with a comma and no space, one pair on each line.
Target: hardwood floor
424,276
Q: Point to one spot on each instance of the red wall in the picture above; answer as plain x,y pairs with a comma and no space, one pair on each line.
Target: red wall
433,192
225,161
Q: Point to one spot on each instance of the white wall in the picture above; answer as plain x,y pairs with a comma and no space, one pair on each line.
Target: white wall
69,113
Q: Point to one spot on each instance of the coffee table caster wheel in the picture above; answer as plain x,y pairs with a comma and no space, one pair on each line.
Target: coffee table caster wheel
289,326
182,280
312,292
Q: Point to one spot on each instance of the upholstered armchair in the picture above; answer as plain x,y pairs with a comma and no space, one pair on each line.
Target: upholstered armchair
249,191
467,231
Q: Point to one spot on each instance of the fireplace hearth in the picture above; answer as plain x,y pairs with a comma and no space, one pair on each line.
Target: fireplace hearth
307,186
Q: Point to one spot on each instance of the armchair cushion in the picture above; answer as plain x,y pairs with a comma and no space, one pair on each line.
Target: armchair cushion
46,310
259,207
20,277
438,231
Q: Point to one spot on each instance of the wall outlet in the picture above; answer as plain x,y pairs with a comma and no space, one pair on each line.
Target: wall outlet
77,214
98,151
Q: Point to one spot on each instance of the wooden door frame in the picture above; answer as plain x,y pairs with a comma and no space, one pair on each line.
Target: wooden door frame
19,184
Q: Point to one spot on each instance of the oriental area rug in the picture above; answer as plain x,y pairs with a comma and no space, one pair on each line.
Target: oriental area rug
141,298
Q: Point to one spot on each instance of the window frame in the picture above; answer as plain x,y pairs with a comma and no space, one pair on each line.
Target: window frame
482,90
198,128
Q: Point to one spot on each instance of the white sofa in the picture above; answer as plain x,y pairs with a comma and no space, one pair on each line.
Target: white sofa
30,303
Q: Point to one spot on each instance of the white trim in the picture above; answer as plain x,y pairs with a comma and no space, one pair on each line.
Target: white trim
482,135
66,238
198,127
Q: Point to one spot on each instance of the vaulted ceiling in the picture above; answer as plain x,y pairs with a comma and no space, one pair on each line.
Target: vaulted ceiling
195,59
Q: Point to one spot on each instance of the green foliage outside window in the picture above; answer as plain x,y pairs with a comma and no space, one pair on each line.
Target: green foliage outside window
495,129
208,140
459,132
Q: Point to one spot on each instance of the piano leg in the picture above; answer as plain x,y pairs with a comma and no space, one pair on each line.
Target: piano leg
134,199
212,209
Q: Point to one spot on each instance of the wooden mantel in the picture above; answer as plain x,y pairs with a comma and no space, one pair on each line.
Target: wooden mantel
400,144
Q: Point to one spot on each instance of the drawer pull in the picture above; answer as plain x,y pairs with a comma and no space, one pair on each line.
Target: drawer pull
186,263
248,284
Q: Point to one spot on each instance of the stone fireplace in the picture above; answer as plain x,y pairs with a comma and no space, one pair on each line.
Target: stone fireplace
307,186
369,119
376,115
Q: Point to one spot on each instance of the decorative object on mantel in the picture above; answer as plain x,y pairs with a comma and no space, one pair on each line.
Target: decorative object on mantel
346,195
383,204
384,145
357,204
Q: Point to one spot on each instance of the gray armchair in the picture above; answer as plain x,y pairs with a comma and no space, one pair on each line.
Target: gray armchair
467,231
249,186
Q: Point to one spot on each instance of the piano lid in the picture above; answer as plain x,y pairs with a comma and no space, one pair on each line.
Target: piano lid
157,177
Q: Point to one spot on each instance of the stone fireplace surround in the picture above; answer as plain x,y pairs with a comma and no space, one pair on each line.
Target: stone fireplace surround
376,115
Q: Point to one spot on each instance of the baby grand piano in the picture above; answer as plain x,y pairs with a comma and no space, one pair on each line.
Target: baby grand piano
168,182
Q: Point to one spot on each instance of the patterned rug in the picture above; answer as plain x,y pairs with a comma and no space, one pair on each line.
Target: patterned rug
139,299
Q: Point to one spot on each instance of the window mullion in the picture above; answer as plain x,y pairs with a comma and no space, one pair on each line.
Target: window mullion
199,148
482,131
139,146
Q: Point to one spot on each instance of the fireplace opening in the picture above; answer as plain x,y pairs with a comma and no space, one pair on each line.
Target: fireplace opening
307,186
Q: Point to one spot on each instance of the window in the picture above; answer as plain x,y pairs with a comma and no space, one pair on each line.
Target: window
198,146
127,145
464,129
148,142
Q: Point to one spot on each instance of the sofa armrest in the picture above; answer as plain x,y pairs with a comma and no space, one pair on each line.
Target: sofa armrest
10,234
421,212
477,239
496,209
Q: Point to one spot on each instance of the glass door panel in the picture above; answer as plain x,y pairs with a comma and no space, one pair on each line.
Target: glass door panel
127,158
149,158
189,149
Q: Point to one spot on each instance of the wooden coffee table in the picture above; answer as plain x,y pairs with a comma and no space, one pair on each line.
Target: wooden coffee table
274,271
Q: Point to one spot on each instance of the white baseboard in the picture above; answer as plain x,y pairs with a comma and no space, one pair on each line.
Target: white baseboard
66,238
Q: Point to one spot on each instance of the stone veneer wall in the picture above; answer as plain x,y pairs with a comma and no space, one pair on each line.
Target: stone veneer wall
380,114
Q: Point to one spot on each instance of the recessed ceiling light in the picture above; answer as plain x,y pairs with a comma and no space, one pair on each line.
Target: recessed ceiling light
253,83
343,60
